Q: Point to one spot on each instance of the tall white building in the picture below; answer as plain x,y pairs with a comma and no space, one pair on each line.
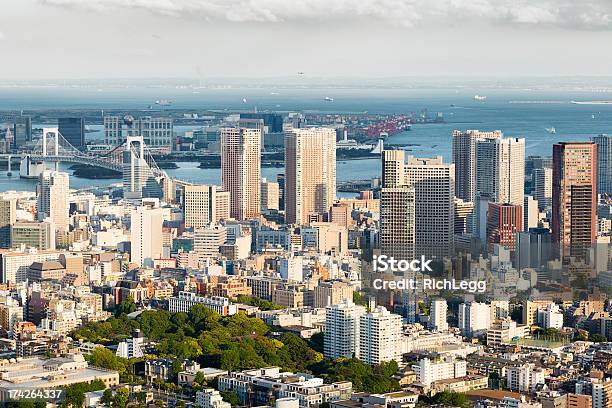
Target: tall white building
342,330
474,318
530,213
53,193
551,317
146,233
380,335
434,194
310,173
542,182
500,170
437,315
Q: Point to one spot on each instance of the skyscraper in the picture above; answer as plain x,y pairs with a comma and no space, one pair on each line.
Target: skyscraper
342,330
241,170
604,163
574,196
310,173
500,169
464,158
73,130
203,205
434,193
53,191
146,235
8,210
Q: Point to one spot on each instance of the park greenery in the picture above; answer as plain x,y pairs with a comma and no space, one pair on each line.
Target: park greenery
231,343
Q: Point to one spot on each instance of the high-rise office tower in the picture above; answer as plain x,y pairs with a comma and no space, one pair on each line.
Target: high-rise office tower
574,198
310,173
500,169
146,235
464,158
604,163
434,193
342,330
241,170
397,222
22,131
504,221
204,205
542,190
380,334
8,211
269,195
73,130
53,190
437,315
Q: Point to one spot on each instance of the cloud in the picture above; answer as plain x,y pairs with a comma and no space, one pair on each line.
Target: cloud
584,14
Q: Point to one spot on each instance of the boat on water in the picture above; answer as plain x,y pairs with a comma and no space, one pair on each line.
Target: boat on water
163,102
481,98
551,130
328,99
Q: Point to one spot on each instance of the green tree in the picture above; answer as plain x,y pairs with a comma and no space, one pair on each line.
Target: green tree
598,338
121,398
231,397
126,306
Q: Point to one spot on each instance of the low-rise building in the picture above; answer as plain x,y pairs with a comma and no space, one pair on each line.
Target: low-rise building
36,373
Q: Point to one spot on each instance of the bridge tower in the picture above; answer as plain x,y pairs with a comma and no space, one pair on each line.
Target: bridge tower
55,134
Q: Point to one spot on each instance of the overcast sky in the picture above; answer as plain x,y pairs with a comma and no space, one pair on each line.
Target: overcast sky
44,39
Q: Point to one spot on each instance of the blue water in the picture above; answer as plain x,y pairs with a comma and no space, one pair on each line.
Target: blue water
518,112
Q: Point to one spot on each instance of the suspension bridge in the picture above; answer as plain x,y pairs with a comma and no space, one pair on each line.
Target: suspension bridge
132,156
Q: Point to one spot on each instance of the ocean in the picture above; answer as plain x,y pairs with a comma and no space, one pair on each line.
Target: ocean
524,112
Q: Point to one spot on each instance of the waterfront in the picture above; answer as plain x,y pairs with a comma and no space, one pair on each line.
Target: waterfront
521,113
